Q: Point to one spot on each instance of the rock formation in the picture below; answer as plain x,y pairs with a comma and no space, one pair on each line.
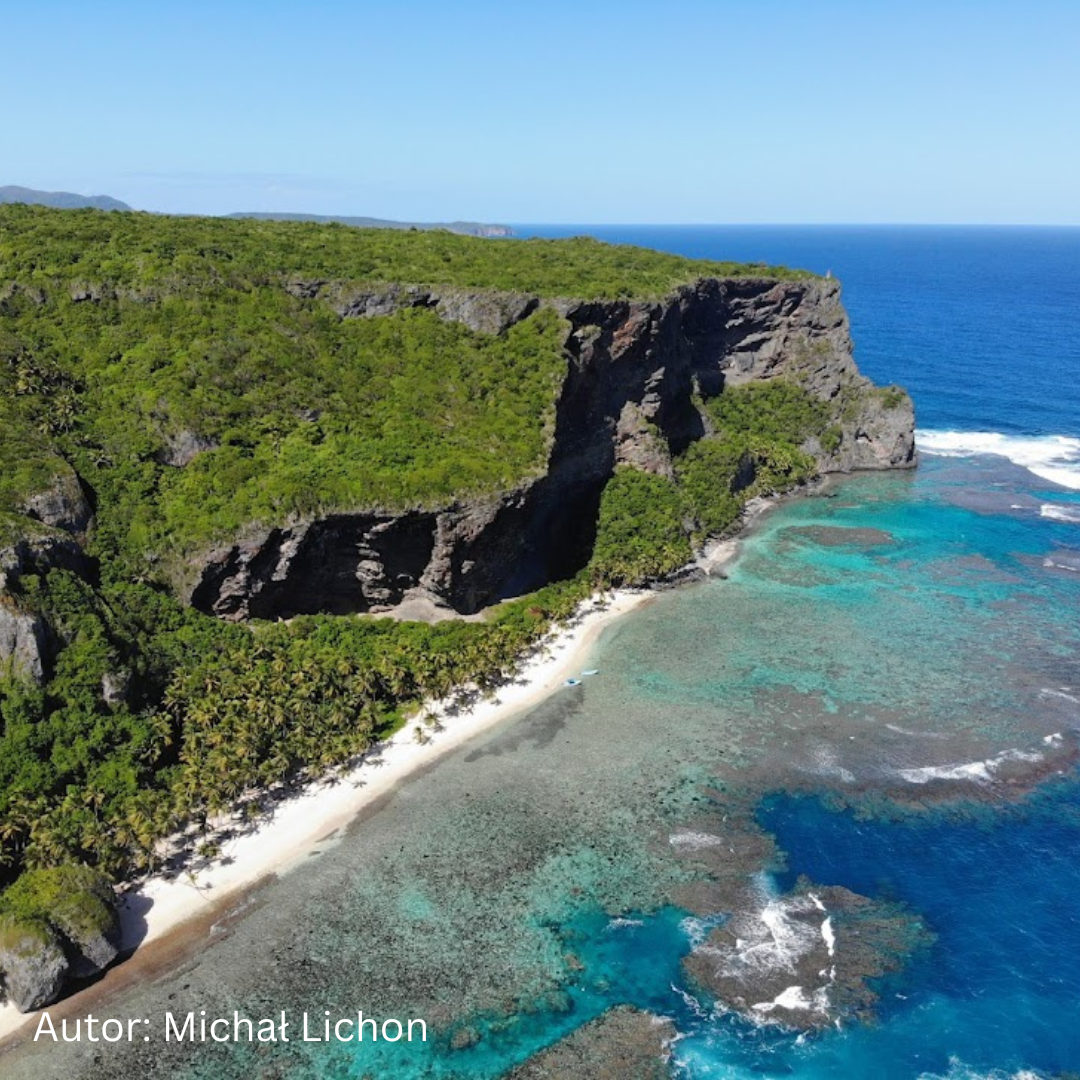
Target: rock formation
65,925
32,963
24,634
622,1044
635,374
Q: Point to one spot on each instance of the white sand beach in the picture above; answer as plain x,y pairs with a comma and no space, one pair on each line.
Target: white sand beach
178,908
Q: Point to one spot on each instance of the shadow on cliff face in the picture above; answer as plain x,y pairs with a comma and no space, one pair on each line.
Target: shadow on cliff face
634,374
467,557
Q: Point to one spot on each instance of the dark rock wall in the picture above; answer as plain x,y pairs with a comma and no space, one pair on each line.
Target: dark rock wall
26,640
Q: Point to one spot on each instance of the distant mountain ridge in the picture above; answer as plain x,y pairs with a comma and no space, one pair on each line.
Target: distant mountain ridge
61,200
68,200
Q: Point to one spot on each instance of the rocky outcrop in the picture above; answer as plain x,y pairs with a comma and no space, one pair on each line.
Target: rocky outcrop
23,641
25,638
634,371
62,504
639,444
807,960
32,963
622,1044
486,312
183,447
67,926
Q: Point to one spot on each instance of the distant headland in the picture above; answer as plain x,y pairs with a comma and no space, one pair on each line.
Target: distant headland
68,200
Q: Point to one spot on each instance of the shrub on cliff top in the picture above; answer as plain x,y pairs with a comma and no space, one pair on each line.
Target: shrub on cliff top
76,900
88,252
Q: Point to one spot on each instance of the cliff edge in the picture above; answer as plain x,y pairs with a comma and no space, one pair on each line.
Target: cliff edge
636,375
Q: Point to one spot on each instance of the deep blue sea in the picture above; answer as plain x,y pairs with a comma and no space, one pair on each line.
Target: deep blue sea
862,741
982,325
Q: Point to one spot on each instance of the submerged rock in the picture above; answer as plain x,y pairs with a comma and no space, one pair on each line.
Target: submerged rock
623,1044
803,960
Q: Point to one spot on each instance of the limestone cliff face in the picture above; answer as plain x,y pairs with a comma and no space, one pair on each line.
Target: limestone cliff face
633,371
25,637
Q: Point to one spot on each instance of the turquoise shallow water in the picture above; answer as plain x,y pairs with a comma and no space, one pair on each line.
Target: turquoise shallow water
882,697
549,870
860,639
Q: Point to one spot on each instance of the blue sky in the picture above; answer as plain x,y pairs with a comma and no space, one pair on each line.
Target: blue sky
781,111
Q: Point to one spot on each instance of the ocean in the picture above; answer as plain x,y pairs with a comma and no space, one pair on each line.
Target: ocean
822,814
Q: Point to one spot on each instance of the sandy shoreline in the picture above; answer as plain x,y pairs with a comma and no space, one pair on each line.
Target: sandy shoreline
163,918
163,914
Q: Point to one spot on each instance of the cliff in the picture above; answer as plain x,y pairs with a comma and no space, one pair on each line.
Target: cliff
635,375
205,421
246,414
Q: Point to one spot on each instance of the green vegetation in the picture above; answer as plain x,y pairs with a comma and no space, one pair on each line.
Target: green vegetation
891,397
29,462
131,345
212,710
646,522
708,474
72,899
759,429
296,412
639,532
158,254
128,341
768,413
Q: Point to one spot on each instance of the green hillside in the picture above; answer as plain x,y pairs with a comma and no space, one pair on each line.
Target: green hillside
178,370
124,336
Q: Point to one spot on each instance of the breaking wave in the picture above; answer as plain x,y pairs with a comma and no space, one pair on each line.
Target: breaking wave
1053,457
1056,512
973,770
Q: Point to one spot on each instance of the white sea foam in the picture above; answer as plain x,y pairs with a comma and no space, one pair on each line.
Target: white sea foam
772,939
958,1070
826,763
691,1002
916,734
971,770
687,838
697,928
829,934
1053,457
794,997
827,931
1054,564
1056,512
975,770
1047,692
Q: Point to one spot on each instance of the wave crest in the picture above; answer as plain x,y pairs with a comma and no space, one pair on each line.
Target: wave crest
1060,513
1052,457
